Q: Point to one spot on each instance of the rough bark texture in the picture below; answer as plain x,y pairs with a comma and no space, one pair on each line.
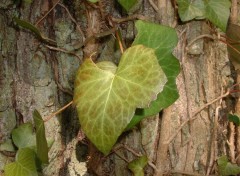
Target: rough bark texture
34,77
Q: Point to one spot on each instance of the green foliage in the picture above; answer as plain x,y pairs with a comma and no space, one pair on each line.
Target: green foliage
23,136
24,164
107,96
189,9
234,118
217,11
42,146
32,148
32,28
163,40
137,166
93,1
226,168
128,4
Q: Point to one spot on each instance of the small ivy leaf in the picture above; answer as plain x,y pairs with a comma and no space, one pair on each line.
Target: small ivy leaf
107,97
42,146
32,28
127,4
163,40
7,146
189,9
23,136
226,168
137,165
234,118
93,1
24,164
218,11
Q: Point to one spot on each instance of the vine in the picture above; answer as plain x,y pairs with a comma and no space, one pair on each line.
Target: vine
110,98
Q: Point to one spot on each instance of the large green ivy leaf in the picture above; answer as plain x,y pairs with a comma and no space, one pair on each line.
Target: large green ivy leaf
137,165
24,164
162,39
190,9
127,4
218,11
226,168
106,96
42,146
23,136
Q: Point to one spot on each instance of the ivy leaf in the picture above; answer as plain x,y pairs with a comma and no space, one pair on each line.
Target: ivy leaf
93,1
226,168
137,166
190,9
218,11
23,136
234,118
34,29
127,4
24,164
42,146
162,39
107,96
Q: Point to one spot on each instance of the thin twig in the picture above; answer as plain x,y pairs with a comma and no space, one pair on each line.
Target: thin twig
47,13
138,155
155,7
185,173
199,37
194,114
74,21
129,18
123,158
119,42
63,50
58,111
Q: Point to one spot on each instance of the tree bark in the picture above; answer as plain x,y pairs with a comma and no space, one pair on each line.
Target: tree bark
34,77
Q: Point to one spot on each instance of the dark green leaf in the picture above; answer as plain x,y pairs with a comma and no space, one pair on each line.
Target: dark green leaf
234,118
218,11
107,96
93,1
190,9
127,4
42,146
226,168
23,136
137,165
24,164
33,29
163,40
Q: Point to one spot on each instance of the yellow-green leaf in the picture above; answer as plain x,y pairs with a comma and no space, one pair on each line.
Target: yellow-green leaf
24,164
106,97
137,165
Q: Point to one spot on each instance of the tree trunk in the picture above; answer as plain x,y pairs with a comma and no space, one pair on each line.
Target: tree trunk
34,77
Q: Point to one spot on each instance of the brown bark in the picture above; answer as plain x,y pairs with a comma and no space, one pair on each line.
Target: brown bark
32,76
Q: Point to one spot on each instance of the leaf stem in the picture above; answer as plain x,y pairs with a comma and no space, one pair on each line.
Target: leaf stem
58,111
